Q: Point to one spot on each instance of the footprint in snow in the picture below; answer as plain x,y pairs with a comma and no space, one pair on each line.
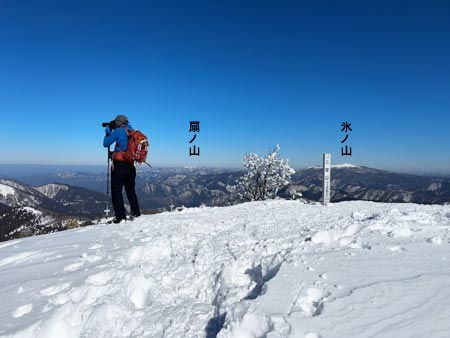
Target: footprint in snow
147,239
74,266
397,248
22,310
280,326
311,302
53,290
101,278
435,240
21,257
95,247
85,258
312,335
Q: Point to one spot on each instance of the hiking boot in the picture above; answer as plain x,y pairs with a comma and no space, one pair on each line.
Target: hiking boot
116,220
133,216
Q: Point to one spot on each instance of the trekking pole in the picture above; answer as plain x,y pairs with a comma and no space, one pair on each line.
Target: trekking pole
107,186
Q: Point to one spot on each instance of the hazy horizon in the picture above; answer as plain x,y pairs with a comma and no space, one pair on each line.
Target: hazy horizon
22,170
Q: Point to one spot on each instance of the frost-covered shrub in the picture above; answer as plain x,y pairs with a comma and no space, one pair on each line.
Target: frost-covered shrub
264,176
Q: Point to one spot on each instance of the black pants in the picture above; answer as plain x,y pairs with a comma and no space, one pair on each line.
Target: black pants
124,174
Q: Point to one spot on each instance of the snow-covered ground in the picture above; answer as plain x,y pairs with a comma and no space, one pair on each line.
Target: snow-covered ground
6,190
260,269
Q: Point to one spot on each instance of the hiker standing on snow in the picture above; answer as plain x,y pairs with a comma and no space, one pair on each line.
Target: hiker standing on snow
122,172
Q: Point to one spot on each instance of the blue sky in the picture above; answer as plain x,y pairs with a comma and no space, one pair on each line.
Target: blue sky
254,74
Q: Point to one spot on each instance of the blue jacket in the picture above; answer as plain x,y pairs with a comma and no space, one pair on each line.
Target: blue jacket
118,135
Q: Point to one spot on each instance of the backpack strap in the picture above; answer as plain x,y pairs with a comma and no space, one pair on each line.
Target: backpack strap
128,134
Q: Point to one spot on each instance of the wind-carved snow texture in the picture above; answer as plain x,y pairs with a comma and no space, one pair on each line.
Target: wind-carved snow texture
261,269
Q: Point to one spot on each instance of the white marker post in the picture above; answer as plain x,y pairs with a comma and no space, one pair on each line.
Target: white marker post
326,178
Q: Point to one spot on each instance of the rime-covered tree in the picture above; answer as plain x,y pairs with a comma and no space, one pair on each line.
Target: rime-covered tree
264,176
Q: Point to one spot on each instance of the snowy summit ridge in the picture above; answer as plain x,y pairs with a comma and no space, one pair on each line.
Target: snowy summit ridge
274,268
345,165
51,190
337,166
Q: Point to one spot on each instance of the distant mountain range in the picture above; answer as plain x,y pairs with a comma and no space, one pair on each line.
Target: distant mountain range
350,182
159,187
27,210
58,198
193,186
81,195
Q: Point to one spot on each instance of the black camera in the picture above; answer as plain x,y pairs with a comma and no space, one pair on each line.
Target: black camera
111,125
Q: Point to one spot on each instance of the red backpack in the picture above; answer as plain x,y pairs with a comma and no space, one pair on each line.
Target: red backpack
137,148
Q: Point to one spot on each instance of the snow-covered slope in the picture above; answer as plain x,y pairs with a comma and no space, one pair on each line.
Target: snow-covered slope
13,193
51,190
260,269
57,198
6,190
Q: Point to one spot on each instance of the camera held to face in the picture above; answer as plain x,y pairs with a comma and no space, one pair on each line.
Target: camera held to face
111,124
